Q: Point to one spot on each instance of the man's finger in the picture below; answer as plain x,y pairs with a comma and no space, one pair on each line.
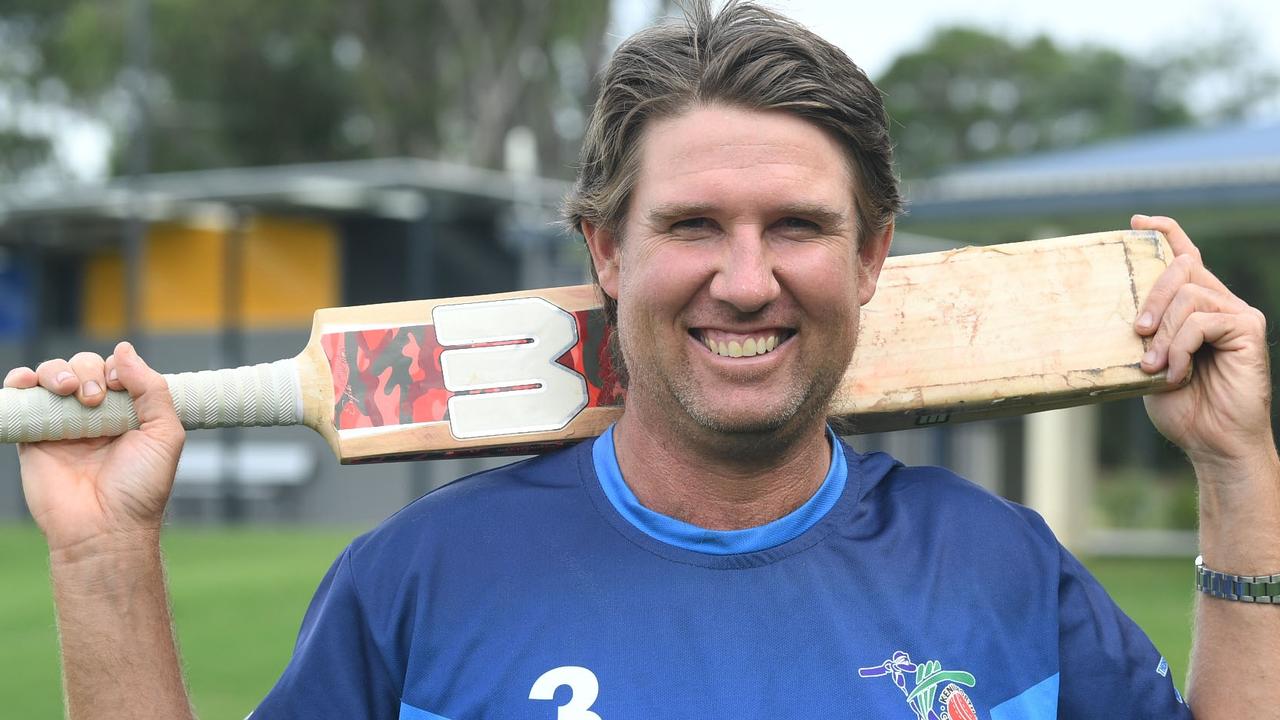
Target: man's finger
1201,328
1177,237
91,374
21,377
56,376
1185,269
1188,299
113,377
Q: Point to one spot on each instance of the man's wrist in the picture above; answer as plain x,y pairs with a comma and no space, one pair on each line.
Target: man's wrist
1239,503
1227,469
1233,482
105,553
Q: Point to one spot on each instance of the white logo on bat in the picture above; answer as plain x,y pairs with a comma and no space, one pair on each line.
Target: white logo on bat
561,393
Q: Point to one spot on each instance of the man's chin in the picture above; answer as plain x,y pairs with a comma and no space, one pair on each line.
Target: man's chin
755,424
742,417
744,426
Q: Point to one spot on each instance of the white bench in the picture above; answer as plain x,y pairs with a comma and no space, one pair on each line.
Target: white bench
259,469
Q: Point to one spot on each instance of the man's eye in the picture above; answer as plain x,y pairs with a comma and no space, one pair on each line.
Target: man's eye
692,224
798,225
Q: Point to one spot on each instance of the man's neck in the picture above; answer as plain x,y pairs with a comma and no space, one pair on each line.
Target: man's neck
720,485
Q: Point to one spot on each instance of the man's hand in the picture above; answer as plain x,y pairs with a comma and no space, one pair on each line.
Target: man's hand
1222,419
1223,415
100,504
83,493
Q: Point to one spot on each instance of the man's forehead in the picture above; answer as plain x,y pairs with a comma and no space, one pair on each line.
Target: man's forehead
701,156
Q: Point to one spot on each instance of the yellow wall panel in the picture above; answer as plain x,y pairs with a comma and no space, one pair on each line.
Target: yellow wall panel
103,296
289,268
182,291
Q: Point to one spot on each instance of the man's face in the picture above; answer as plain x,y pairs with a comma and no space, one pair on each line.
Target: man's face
738,271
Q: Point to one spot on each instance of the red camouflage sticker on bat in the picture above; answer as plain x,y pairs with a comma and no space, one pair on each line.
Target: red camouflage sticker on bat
393,376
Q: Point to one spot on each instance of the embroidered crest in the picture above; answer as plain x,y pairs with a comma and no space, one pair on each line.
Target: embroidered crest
931,692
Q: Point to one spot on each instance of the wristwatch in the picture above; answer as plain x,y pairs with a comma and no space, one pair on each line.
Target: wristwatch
1245,588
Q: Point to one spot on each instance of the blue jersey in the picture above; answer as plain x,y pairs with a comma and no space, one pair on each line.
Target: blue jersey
544,590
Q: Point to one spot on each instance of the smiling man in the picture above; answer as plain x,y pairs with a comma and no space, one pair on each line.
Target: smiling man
740,275
719,553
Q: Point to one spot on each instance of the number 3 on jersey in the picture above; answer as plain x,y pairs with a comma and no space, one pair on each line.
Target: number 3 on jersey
536,333
581,681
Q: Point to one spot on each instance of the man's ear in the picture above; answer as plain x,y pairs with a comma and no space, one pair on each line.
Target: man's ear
605,256
872,251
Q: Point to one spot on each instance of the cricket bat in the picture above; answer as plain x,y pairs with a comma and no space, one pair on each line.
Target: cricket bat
964,334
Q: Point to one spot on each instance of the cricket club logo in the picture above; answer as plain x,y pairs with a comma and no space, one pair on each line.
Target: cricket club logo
934,693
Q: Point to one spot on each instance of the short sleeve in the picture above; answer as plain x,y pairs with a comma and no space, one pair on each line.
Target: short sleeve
1108,667
336,670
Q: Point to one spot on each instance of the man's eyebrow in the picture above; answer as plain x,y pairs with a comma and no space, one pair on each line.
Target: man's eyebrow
821,214
670,212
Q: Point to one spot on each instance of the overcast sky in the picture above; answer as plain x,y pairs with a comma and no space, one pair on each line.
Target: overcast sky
876,31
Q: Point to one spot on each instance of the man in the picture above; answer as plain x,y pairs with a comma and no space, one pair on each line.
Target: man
719,552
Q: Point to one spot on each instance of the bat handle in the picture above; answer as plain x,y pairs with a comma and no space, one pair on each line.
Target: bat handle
251,396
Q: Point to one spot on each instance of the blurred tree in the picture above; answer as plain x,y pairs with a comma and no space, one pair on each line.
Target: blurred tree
20,153
1222,74
969,95
245,82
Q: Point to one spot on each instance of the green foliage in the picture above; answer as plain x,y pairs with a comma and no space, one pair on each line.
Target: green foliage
20,152
969,94
1139,497
245,82
1222,69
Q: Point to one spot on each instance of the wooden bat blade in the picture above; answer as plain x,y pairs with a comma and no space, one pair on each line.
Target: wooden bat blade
952,336
990,331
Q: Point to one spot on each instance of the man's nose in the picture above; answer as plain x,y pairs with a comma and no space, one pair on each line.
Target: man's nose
745,277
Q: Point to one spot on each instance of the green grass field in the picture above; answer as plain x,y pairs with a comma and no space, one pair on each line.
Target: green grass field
239,597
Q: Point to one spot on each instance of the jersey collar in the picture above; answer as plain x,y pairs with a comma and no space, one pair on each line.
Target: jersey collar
684,535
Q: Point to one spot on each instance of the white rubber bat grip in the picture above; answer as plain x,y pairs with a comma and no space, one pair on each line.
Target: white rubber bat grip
250,396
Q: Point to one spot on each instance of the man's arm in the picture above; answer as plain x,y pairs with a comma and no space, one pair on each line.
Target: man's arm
119,658
1235,657
1222,420
100,504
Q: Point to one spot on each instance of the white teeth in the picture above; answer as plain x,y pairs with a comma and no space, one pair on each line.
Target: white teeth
749,348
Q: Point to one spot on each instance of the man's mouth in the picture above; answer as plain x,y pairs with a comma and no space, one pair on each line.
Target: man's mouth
737,345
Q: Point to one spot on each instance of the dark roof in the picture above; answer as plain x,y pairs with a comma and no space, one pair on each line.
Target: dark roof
1201,166
377,186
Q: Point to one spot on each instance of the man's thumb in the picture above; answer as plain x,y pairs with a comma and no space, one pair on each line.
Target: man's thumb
150,392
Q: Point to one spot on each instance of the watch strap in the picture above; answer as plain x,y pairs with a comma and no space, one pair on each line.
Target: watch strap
1245,588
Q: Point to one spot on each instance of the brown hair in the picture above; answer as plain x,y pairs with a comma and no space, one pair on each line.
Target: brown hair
744,56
